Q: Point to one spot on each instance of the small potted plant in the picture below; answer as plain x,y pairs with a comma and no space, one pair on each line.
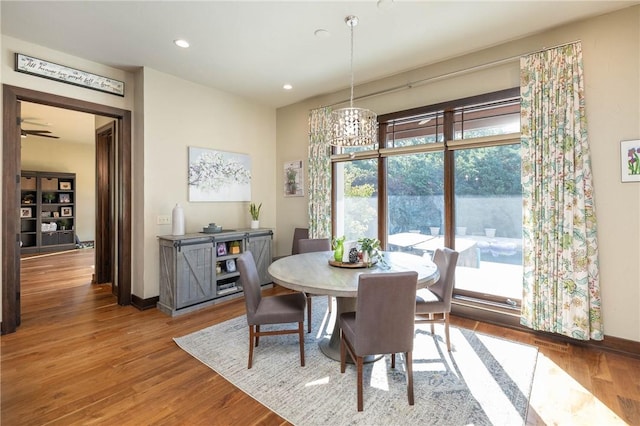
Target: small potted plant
254,210
49,197
371,250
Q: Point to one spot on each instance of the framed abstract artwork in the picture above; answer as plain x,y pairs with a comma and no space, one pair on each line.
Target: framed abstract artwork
219,175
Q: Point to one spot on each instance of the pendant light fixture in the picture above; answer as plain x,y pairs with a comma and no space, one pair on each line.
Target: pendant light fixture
353,126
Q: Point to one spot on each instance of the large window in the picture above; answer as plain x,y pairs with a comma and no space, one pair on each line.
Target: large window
446,175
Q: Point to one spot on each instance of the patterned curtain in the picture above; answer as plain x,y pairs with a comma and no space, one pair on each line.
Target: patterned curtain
561,291
319,174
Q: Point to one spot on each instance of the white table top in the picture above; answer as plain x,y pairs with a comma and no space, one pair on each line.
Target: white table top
311,272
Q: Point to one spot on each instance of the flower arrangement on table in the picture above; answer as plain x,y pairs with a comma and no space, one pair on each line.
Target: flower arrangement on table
370,250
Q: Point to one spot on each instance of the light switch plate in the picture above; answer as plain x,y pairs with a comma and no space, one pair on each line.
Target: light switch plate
164,220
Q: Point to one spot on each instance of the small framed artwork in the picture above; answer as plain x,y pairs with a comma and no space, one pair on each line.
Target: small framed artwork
25,212
231,265
66,211
65,186
293,179
630,160
64,198
221,249
56,214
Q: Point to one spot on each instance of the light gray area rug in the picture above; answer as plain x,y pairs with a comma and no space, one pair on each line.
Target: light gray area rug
484,380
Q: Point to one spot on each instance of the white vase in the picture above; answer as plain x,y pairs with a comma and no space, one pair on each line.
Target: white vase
177,220
255,224
490,232
365,257
435,230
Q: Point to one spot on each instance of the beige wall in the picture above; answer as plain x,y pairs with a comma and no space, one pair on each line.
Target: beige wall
611,46
42,155
179,114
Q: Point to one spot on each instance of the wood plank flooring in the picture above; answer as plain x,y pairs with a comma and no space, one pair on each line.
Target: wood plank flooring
79,358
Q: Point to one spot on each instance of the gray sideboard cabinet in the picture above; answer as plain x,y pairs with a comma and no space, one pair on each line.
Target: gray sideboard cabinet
198,270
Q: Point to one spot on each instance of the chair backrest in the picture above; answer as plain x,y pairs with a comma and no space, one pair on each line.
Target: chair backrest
445,259
308,245
298,234
250,283
385,313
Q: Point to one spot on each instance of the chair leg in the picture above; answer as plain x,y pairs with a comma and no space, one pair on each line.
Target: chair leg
257,335
329,303
308,314
301,337
408,358
251,333
343,353
393,360
359,362
446,330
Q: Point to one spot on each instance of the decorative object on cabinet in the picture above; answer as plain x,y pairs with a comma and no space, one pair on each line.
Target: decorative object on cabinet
219,175
41,194
193,275
254,211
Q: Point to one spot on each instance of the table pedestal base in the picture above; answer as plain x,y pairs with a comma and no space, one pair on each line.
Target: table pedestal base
331,346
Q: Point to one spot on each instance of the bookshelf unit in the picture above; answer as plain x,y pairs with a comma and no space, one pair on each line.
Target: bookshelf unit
47,211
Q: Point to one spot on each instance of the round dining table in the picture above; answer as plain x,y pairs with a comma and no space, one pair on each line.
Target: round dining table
312,273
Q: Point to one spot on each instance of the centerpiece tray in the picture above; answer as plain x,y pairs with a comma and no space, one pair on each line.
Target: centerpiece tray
349,265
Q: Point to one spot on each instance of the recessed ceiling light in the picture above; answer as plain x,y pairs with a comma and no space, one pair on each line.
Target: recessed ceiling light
181,43
287,87
321,33
385,4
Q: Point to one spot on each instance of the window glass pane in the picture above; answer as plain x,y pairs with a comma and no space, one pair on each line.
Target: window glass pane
415,191
488,206
356,208
486,120
419,130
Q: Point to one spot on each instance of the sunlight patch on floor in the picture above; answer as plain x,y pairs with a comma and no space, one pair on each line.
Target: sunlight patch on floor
572,403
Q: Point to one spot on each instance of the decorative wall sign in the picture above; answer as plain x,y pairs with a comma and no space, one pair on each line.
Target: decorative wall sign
293,179
219,175
630,160
41,68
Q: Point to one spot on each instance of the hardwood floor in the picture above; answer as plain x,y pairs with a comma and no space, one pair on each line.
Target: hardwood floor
79,358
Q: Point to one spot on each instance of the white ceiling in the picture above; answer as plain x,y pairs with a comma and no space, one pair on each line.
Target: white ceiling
252,48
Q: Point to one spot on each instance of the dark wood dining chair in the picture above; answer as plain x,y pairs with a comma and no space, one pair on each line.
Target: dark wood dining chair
309,245
382,324
433,304
280,309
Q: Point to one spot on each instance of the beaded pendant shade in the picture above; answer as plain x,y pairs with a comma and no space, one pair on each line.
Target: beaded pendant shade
353,126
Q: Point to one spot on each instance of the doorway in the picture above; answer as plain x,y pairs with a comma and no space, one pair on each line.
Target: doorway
120,191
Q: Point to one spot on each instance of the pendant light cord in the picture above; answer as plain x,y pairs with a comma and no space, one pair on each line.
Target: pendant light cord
351,25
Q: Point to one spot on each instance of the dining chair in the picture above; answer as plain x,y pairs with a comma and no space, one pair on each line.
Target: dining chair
280,309
309,245
433,304
382,323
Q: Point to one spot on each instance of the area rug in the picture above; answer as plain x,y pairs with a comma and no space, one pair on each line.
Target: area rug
484,380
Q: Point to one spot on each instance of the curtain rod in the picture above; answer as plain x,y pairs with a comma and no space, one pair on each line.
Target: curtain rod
420,82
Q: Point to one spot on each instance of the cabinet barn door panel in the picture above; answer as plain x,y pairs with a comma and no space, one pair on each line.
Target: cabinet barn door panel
260,248
196,271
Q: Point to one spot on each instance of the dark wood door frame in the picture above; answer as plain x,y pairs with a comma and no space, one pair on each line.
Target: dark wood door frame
105,214
11,194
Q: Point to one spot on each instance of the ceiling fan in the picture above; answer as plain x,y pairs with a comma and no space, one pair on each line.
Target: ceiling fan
42,133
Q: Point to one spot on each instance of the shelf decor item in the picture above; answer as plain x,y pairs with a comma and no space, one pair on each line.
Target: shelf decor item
221,249
338,248
64,198
66,211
